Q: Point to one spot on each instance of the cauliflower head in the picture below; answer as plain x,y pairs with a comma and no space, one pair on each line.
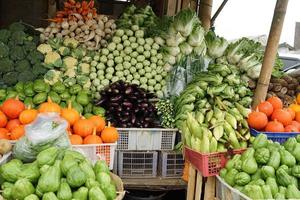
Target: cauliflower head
44,48
64,51
71,73
71,42
53,59
84,68
70,62
53,76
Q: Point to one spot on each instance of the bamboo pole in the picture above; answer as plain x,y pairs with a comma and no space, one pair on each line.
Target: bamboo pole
205,8
270,53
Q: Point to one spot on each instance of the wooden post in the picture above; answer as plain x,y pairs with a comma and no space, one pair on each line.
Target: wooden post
270,53
205,13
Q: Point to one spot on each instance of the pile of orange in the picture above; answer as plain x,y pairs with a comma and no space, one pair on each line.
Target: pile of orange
14,115
270,116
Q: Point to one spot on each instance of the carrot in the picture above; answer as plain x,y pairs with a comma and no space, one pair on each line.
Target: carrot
78,5
67,5
91,4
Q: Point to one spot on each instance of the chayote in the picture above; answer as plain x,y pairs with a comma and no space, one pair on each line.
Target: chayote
39,85
65,96
99,111
76,177
77,106
64,192
90,182
32,197
103,178
49,196
87,169
75,89
59,87
96,193
88,108
50,180
28,101
54,97
28,89
110,192
19,87
10,171
67,163
242,179
30,171
39,98
82,98
47,156
81,193
262,155
101,166
21,189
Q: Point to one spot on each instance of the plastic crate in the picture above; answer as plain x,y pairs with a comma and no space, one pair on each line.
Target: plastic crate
98,152
209,164
137,164
171,164
5,158
226,192
275,137
146,139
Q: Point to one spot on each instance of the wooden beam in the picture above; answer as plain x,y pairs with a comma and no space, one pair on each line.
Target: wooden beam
205,8
171,7
185,4
270,53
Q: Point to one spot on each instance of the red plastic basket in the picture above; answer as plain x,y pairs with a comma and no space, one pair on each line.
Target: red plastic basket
209,164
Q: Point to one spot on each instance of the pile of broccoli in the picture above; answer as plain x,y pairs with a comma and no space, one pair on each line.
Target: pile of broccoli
19,59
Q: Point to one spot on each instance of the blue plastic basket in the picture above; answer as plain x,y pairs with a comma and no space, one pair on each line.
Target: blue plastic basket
275,137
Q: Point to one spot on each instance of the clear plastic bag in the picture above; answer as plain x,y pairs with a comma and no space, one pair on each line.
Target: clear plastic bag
183,73
49,129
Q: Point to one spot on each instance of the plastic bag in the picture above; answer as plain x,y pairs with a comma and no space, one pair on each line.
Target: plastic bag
183,73
49,129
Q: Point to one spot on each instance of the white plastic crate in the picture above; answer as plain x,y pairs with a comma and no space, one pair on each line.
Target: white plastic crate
146,139
137,164
98,152
226,192
171,164
5,158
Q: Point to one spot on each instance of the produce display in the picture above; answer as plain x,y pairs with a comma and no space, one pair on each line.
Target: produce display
211,112
57,174
133,58
270,116
267,170
128,105
81,22
286,88
5,147
19,58
35,93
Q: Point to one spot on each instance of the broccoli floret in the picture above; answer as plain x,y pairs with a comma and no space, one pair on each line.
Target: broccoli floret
17,53
18,37
52,76
4,35
35,57
23,65
4,50
6,65
52,59
10,78
29,46
26,76
71,42
16,26
39,69
44,48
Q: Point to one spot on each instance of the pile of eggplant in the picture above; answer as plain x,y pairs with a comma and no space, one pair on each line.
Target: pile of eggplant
128,106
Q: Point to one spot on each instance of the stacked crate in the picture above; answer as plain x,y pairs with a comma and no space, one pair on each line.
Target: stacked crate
147,153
